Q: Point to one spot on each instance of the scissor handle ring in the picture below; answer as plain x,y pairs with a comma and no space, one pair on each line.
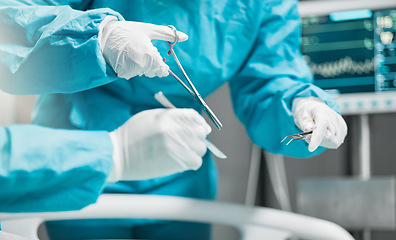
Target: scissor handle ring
171,45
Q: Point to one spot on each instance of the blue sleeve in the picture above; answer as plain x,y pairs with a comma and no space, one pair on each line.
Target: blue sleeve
44,169
51,49
274,74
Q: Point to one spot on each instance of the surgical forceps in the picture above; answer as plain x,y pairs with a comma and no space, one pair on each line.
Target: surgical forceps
193,91
298,136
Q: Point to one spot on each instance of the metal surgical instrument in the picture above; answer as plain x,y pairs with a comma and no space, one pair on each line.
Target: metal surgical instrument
298,136
160,97
193,91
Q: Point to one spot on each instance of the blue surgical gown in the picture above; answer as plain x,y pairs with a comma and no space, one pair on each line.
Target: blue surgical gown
52,49
41,168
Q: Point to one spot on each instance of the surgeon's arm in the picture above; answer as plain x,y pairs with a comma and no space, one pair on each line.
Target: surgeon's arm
51,49
43,169
273,76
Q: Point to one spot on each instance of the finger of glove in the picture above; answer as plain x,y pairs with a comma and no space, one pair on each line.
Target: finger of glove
126,68
305,122
193,161
184,146
197,145
135,59
155,66
332,139
200,124
166,33
162,69
183,154
336,131
194,130
200,148
317,136
194,120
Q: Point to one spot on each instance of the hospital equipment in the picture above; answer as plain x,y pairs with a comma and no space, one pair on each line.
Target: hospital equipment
160,97
298,136
252,222
194,92
357,63
353,203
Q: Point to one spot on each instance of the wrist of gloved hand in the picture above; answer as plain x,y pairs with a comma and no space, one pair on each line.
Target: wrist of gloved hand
103,35
159,142
312,114
116,171
127,48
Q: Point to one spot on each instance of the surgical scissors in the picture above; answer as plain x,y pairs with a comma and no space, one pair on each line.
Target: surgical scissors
193,91
298,136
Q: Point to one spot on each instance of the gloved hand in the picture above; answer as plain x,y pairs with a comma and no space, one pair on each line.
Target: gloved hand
158,142
127,48
329,128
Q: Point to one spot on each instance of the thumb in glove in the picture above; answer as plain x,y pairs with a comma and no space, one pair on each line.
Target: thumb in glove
127,48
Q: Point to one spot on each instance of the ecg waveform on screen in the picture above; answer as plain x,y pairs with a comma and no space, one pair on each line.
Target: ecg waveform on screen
342,66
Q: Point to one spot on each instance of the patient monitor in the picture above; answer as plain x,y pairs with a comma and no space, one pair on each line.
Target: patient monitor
350,47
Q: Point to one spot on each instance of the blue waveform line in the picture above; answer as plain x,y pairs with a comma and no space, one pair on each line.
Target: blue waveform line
342,66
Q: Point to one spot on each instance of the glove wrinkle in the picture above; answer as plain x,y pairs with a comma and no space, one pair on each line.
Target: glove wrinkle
329,128
127,48
158,142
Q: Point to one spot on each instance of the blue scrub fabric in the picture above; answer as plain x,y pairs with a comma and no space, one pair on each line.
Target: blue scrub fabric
52,49
43,169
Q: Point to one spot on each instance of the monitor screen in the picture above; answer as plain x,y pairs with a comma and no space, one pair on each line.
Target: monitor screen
350,47
352,51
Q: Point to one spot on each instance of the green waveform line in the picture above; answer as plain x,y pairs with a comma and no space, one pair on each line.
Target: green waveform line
342,66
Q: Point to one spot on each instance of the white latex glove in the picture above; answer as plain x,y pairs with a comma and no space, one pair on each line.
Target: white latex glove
158,142
312,114
127,47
